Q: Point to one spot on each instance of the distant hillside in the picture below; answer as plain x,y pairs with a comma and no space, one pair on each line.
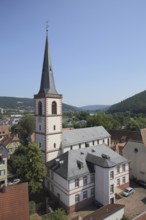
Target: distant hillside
26,103
134,104
95,107
16,103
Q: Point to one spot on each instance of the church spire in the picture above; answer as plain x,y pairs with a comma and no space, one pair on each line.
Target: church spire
47,81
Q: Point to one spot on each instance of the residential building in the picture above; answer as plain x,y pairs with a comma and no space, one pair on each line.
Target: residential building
79,177
135,152
11,143
3,171
4,131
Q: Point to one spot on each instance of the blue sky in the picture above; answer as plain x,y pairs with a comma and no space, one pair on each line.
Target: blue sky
98,48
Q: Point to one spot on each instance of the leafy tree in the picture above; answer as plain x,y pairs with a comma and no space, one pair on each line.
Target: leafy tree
124,218
102,119
27,125
27,164
59,214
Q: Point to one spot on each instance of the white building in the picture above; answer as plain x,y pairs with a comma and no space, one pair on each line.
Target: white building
3,171
135,152
78,177
81,166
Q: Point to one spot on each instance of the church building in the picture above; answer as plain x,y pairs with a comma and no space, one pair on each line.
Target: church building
48,120
81,166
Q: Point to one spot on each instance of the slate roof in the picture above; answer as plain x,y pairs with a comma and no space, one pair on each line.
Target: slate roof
77,136
133,145
76,163
47,81
3,151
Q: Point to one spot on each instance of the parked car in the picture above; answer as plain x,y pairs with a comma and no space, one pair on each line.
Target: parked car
128,191
141,183
13,182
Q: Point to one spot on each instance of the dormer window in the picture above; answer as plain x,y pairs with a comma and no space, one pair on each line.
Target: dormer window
54,108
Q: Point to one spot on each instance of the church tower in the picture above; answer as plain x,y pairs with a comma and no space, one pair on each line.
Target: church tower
48,112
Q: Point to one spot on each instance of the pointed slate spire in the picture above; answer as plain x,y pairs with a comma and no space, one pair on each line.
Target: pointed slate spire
47,81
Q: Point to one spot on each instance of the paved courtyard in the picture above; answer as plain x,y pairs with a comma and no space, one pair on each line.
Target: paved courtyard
134,204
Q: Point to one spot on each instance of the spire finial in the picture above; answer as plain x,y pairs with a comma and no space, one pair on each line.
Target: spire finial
47,27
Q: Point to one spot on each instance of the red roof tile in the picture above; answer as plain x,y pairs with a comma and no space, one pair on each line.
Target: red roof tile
14,203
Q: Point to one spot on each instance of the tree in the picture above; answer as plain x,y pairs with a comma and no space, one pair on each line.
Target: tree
59,214
27,164
124,218
27,125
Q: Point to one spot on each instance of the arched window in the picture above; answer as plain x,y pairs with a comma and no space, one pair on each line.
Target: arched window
54,107
40,108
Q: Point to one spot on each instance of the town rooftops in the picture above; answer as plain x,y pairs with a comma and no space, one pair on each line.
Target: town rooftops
102,213
14,202
75,163
82,135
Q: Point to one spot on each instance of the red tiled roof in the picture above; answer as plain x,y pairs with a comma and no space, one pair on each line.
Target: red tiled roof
9,139
14,203
124,135
4,130
102,213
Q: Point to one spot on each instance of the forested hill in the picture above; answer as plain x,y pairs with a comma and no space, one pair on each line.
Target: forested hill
26,103
134,104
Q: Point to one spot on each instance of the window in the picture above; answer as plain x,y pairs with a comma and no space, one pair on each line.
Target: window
2,172
92,192
54,108
54,145
93,142
84,180
58,196
79,145
118,169
76,182
118,182
112,188
85,195
51,174
111,174
54,127
86,144
77,198
40,127
52,188
123,167
40,108
123,179
92,177
112,201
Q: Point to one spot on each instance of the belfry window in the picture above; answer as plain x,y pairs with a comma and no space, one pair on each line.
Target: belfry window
40,108
54,108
